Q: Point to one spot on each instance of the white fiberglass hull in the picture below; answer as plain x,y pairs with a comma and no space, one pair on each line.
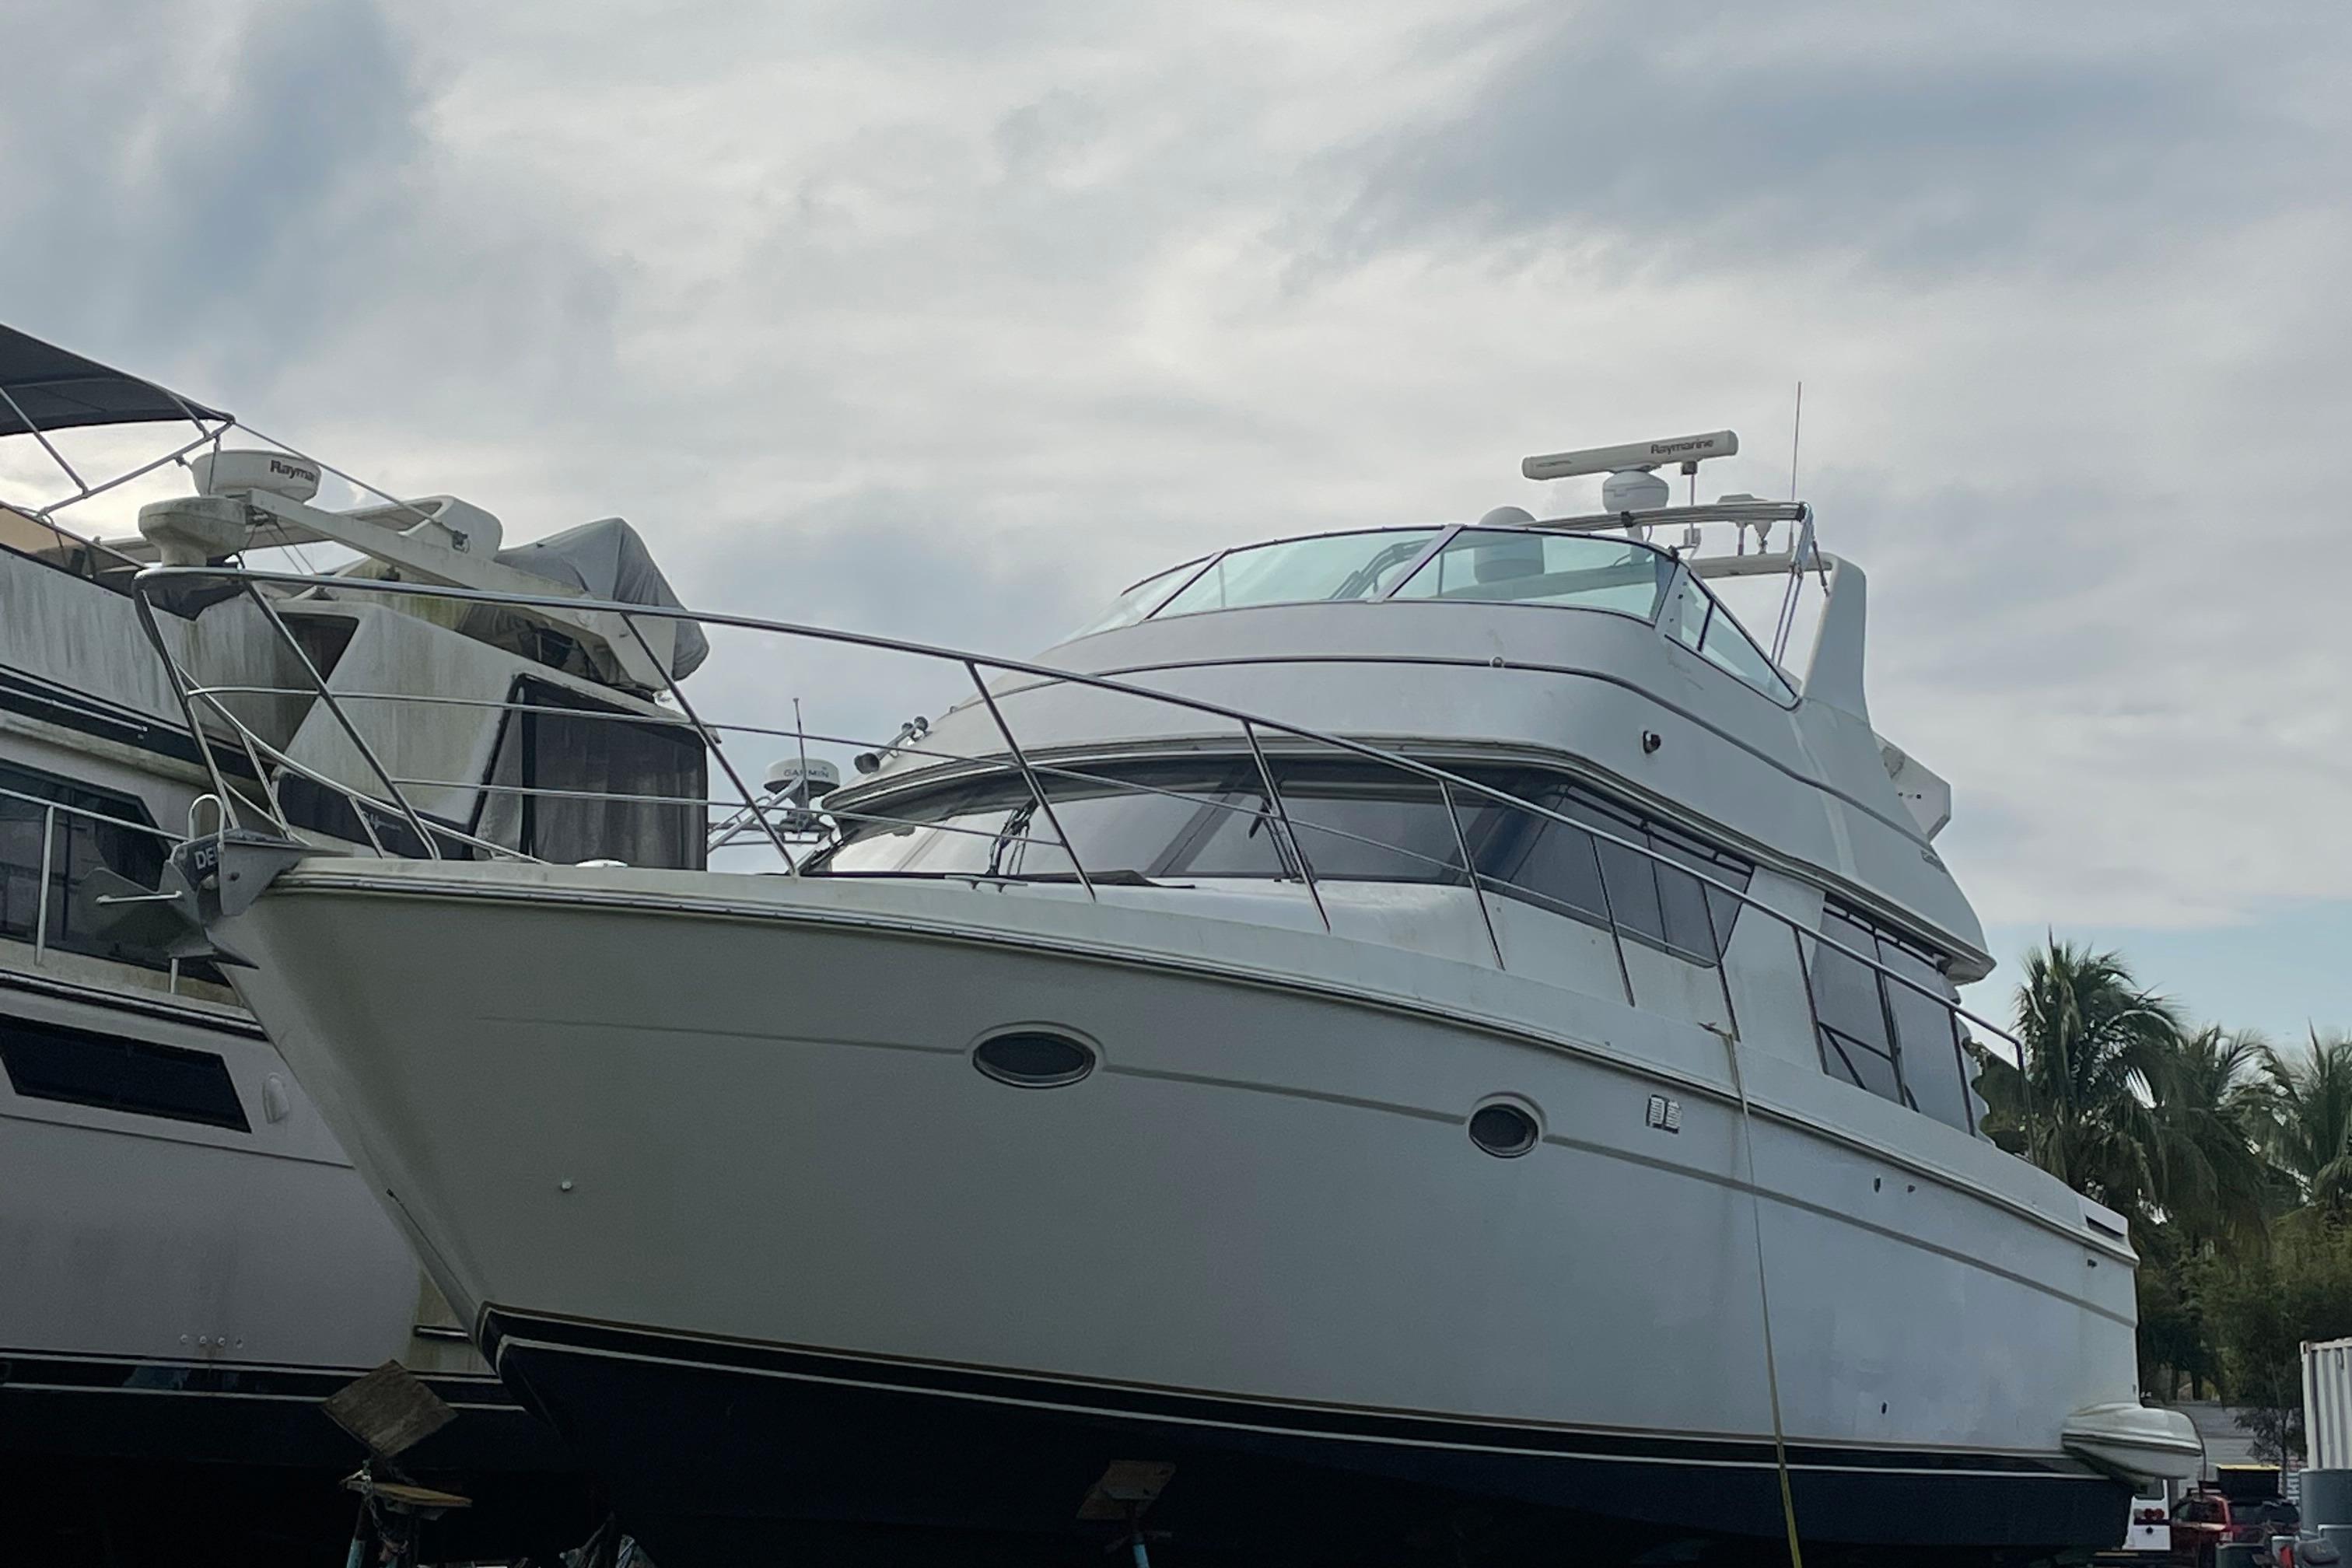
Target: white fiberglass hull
707,1161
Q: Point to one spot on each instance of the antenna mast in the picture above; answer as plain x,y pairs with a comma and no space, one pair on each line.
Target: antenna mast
1796,430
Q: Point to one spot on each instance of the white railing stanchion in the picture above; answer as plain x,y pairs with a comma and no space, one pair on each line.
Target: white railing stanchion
1036,789
1609,914
41,901
400,800
1297,851
1470,870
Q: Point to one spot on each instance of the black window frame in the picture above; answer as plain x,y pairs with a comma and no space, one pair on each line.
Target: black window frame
66,1065
94,827
1837,1046
1502,840
533,701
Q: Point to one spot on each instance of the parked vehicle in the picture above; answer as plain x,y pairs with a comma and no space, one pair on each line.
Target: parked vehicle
2207,1518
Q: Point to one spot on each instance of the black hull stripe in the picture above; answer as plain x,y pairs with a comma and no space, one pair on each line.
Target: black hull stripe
159,1005
505,1331
22,1372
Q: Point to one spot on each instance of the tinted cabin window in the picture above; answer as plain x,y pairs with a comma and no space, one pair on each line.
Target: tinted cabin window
1354,822
1881,1033
79,845
560,773
46,1061
1925,1035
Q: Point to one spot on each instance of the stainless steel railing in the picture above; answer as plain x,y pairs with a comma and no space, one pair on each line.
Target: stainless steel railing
51,812
1267,745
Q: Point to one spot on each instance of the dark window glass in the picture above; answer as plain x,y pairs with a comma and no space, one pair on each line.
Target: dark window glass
1932,1076
45,1061
1632,882
571,760
1151,819
1503,1130
1355,822
79,845
1234,837
1381,826
1545,862
324,809
1033,1059
1861,1065
1845,991
1918,1062
1697,931
1682,899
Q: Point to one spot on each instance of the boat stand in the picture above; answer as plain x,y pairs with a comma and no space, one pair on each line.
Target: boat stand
390,1513
1127,1488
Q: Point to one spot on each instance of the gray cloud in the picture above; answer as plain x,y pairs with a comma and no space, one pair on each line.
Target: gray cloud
193,164
946,321
1991,134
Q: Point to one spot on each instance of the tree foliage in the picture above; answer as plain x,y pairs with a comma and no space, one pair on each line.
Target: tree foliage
2231,1159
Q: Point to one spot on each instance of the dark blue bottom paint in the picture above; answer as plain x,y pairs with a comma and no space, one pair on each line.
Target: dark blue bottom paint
120,1463
721,1455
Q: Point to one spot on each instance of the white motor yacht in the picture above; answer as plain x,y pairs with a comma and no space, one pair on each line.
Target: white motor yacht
1409,1045
189,1265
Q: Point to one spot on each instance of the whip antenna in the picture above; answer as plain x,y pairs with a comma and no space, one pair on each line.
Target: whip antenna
1796,429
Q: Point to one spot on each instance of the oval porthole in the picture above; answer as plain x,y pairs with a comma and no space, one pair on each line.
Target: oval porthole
1503,1130
1033,1058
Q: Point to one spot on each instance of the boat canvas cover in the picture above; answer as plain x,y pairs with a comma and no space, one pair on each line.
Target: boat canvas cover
50,388
607,560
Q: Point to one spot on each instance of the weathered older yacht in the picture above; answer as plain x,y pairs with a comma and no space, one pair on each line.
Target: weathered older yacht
188,1263
1407,1045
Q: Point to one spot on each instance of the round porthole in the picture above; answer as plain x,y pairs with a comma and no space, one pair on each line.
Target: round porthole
1505,1132
1033,1058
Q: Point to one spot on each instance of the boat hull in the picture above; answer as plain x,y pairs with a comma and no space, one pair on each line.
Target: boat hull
177,1299
723,1193
723,1453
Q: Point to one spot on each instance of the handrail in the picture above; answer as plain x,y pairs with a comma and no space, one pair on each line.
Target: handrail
1448,781
51,810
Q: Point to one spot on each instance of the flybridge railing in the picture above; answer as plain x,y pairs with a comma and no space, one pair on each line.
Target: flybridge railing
1259,751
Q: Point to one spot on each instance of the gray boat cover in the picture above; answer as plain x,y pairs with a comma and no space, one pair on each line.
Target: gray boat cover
607,560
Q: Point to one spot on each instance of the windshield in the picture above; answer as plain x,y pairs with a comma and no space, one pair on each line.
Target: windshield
1506,566
1296,571
1702,624
1138,601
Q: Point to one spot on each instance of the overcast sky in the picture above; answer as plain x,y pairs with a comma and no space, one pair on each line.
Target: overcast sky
950,319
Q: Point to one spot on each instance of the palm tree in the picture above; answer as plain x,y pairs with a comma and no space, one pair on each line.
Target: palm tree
2099,1054
2311,1137
2213,1116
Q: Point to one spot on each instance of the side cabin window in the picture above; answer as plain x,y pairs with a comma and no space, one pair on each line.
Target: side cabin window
90,830
1881,1035
1354,822
78,1067
574,780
